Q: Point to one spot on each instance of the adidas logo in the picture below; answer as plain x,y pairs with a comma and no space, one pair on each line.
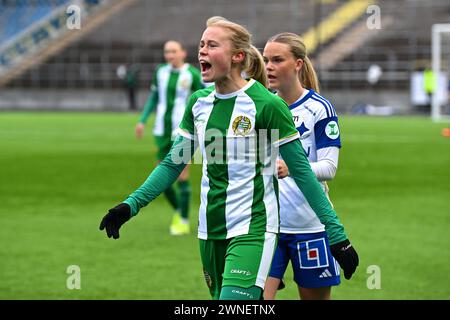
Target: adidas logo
326,274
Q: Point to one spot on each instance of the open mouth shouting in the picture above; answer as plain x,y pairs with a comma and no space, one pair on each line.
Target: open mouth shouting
205,67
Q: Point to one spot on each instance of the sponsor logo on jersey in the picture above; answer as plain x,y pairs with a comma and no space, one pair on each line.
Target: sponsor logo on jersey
296,120
310,111
241,126
332,130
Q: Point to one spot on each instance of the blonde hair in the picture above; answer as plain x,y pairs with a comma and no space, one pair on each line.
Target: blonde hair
307,75
253,63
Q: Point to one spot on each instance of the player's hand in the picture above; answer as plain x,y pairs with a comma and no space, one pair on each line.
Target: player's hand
139,130
282,168
346,256
114,219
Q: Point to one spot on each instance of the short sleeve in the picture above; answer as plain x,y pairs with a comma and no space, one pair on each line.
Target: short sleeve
154,84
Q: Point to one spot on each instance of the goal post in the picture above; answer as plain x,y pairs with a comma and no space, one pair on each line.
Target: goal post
440,57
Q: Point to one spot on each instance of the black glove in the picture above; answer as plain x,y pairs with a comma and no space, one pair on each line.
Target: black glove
114,219
346,256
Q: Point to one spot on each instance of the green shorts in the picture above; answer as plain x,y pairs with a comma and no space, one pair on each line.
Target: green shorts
164,144
243,261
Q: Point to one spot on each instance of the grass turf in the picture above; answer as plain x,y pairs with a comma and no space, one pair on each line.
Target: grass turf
60,172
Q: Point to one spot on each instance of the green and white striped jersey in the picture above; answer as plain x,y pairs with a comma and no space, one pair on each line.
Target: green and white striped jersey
170,92
238,196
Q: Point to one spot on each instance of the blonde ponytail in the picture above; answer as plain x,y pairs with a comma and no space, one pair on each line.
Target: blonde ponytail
307,75
256,67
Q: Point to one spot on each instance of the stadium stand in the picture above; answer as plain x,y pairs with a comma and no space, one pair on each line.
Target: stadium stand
397,47
16,16
342,55
137,36
335,23
36,30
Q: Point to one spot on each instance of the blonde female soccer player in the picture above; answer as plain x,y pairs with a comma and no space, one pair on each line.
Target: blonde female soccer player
238,216
303,239
173,82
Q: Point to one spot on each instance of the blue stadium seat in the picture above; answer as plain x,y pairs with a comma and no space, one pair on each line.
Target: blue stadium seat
16,17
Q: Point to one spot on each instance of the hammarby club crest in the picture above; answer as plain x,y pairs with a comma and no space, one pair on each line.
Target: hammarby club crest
241,126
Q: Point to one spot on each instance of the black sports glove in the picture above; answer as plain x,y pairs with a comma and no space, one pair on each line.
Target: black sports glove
114,219
346,256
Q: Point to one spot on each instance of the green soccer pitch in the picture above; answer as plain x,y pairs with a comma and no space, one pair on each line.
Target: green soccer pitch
61,172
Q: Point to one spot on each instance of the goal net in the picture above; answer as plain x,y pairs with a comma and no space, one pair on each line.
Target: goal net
440,55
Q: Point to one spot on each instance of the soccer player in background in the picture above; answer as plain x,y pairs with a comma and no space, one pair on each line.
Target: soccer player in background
172,84
303,239
238,215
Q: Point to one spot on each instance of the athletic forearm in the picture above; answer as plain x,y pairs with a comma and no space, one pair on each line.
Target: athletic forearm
163,176
300,170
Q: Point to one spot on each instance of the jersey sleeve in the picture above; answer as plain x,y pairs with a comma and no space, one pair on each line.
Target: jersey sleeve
187,128
327,162
163,176
326,130
276,115
152,100
154,84
150,105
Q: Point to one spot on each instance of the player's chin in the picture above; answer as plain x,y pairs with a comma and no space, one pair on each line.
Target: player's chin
273,84
207,78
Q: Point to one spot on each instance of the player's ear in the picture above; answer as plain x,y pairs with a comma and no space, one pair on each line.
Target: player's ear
238,57
298,64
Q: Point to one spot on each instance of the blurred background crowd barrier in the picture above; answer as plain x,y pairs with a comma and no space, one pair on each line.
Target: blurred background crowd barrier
74,55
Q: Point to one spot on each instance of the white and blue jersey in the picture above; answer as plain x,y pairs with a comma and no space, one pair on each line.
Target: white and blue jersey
317,123
303,239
